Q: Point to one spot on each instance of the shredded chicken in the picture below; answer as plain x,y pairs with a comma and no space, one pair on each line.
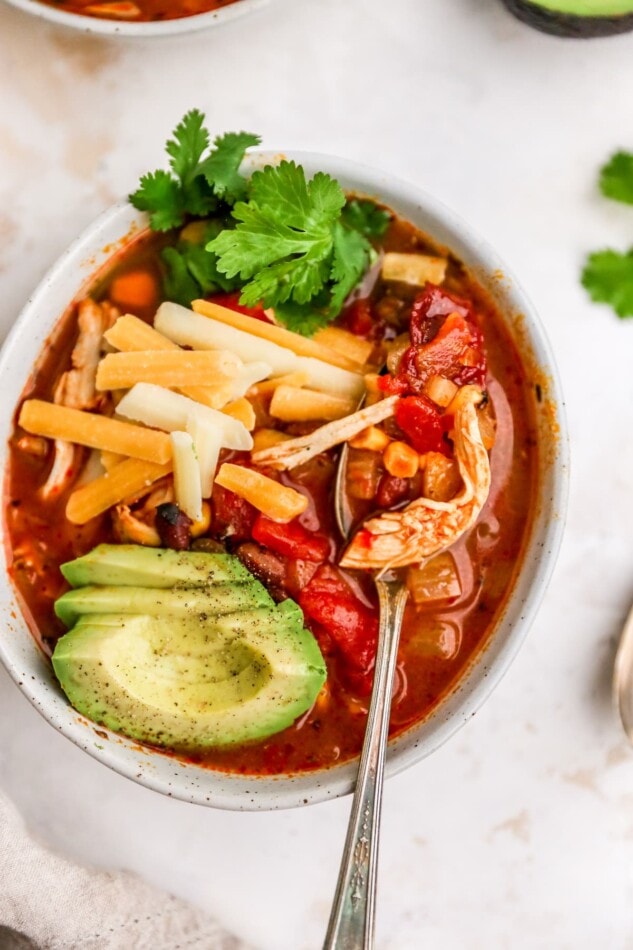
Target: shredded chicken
426,527
76,387
295,452
137,527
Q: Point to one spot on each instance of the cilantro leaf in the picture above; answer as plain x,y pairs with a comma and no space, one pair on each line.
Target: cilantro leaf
203,267
283,242
366,217
349,263
294,244
178,284
187,146
160,195
190,271
616,178
608,277
221,168
301,318
198,198
197,184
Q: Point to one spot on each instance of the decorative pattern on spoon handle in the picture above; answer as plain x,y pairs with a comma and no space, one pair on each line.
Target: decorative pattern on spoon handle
351,925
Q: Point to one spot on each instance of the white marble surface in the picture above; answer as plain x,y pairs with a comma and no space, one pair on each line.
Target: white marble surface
519,833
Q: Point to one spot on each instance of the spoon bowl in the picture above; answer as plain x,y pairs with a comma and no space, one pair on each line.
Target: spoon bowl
623,677
423,533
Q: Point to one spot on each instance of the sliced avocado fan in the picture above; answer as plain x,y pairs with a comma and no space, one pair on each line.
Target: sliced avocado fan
185,668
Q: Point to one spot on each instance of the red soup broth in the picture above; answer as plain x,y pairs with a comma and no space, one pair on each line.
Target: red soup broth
437,646
138,11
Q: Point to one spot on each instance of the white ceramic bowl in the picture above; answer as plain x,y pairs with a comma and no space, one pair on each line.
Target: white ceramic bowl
32,671
106,27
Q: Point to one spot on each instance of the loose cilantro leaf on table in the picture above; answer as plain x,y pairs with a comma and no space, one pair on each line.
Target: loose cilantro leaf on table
608,277
616,178
196,184
608,274
366,217
289,245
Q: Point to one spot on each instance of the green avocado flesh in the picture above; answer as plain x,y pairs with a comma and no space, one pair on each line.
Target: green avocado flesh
592,8
135,566
187,684
177,602
575,18
184,666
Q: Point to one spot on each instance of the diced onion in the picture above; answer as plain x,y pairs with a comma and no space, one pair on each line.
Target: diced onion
414,269
436,582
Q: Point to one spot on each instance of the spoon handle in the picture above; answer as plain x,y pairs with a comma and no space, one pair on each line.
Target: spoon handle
351,925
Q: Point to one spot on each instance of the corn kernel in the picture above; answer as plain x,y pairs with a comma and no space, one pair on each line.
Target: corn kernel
202,525
401,460
371,438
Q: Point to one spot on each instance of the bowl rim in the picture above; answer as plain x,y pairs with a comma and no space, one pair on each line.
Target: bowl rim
173,777
152,29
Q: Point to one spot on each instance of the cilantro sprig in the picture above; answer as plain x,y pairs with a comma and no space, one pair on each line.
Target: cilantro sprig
289,242
198,184
290,245
608,274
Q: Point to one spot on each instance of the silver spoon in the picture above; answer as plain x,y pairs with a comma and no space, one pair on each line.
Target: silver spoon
352,918
623,677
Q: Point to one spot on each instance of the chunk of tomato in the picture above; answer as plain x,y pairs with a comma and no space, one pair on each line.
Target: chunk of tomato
359,318
232,302
292,540
421,423
330,601
233,517
445,340
430,309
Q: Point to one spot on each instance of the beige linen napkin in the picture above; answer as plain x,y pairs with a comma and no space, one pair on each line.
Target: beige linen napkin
63,906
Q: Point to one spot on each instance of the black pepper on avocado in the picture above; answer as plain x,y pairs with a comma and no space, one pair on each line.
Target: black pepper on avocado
199,656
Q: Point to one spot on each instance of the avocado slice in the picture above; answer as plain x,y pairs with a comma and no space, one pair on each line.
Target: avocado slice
175,602
136,566
185,683
575,18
